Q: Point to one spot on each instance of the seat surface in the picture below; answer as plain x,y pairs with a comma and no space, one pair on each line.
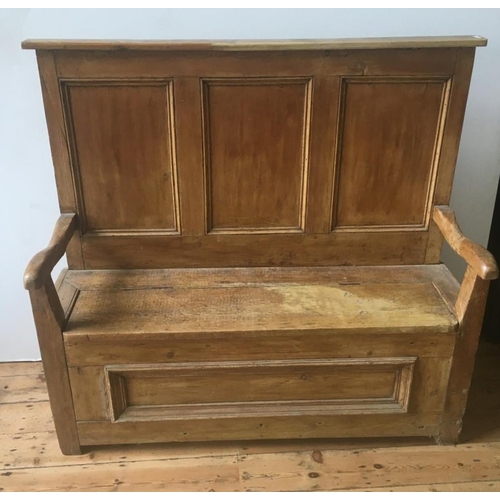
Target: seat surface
389,299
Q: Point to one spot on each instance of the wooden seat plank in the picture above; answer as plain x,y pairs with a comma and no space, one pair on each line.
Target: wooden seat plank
235,301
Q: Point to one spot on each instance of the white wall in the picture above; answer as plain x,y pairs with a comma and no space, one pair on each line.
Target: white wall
28,206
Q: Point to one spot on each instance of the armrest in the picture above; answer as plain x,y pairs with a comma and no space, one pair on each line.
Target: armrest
41,265
477,257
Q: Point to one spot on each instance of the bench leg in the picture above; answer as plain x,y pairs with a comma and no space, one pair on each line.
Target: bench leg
470,307
449,435
49,320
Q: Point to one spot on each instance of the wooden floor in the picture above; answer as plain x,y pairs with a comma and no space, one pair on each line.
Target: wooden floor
30,459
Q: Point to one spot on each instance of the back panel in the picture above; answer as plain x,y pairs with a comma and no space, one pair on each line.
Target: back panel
189,159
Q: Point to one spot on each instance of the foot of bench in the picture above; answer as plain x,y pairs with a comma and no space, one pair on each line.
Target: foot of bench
449,434
68,448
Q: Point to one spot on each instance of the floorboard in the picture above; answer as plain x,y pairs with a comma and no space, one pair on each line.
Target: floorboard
30,459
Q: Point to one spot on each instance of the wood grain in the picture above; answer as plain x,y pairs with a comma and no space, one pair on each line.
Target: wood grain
59,147
470,307
409,308
476,256
123,64
137,430
232,389
20,368
198,331
30,459
124,157
49,319
253,250
448,152
104,348
322,150
366,469
20,420
189,131
275,175
387,159
200,45
175,475
41,265
205,161
23,389
423,381
136,279
469,486
254,184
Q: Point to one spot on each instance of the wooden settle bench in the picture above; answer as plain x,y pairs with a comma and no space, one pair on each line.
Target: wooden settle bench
253,233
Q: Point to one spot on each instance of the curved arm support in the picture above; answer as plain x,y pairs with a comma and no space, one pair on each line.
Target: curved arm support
477,257
41,265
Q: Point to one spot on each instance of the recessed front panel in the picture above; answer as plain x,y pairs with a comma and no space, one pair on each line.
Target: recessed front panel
388,138
255,143
190,390
123,158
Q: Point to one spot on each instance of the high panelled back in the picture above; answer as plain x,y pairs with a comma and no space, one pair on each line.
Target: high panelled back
184,158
